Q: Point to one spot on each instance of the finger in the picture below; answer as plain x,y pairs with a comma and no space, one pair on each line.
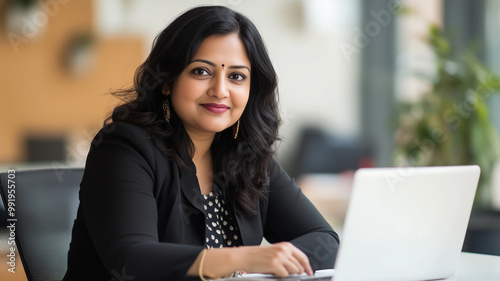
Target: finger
303,261
293,266
297,258
285,259
280,271
298,264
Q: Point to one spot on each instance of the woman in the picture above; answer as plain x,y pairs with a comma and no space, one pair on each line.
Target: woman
183,181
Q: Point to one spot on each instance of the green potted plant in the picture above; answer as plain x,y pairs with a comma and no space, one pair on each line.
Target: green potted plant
449,124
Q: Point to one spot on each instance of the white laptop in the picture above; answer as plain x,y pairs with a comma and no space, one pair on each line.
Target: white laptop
403,224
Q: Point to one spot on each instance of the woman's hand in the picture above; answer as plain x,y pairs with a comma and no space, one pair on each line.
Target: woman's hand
280,259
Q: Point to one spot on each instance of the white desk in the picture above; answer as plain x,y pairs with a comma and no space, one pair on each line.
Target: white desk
476,267
471,267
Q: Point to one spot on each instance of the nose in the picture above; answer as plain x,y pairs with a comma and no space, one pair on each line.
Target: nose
218,87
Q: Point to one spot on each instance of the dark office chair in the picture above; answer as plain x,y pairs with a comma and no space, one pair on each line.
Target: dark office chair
483,233
320,152
46,202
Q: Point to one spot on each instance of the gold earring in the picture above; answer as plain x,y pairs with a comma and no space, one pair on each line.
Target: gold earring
237,129
166,109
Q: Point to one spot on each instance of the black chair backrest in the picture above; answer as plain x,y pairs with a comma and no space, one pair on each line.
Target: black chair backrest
321,152
45,207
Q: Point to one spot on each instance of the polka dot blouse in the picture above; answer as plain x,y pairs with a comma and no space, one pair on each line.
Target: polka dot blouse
221,231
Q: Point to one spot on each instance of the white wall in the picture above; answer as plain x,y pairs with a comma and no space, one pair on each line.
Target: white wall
414,53
317,82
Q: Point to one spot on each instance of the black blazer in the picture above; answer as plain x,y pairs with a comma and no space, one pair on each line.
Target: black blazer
141,216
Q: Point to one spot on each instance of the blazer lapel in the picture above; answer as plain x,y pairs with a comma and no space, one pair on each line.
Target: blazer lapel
250,227
191,189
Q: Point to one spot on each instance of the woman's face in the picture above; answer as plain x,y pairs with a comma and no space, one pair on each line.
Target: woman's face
212,91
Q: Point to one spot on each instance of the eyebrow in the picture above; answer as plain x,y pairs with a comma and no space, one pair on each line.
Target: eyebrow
213,64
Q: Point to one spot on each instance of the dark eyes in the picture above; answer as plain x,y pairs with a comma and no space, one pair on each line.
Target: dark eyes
200,71
237,76
204,72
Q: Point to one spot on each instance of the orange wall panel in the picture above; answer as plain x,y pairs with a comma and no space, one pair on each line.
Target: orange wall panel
39,95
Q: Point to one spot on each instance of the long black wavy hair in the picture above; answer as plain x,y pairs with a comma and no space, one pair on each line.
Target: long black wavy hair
240,165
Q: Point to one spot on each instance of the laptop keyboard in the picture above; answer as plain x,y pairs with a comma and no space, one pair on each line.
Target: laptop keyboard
289,278
321,275
300,278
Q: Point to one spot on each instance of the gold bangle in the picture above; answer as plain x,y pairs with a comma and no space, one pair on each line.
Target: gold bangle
200,268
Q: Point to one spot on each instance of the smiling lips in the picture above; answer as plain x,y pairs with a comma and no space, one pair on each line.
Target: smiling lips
215,107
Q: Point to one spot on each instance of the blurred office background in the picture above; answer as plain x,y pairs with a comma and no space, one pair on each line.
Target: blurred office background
60,59
343,67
